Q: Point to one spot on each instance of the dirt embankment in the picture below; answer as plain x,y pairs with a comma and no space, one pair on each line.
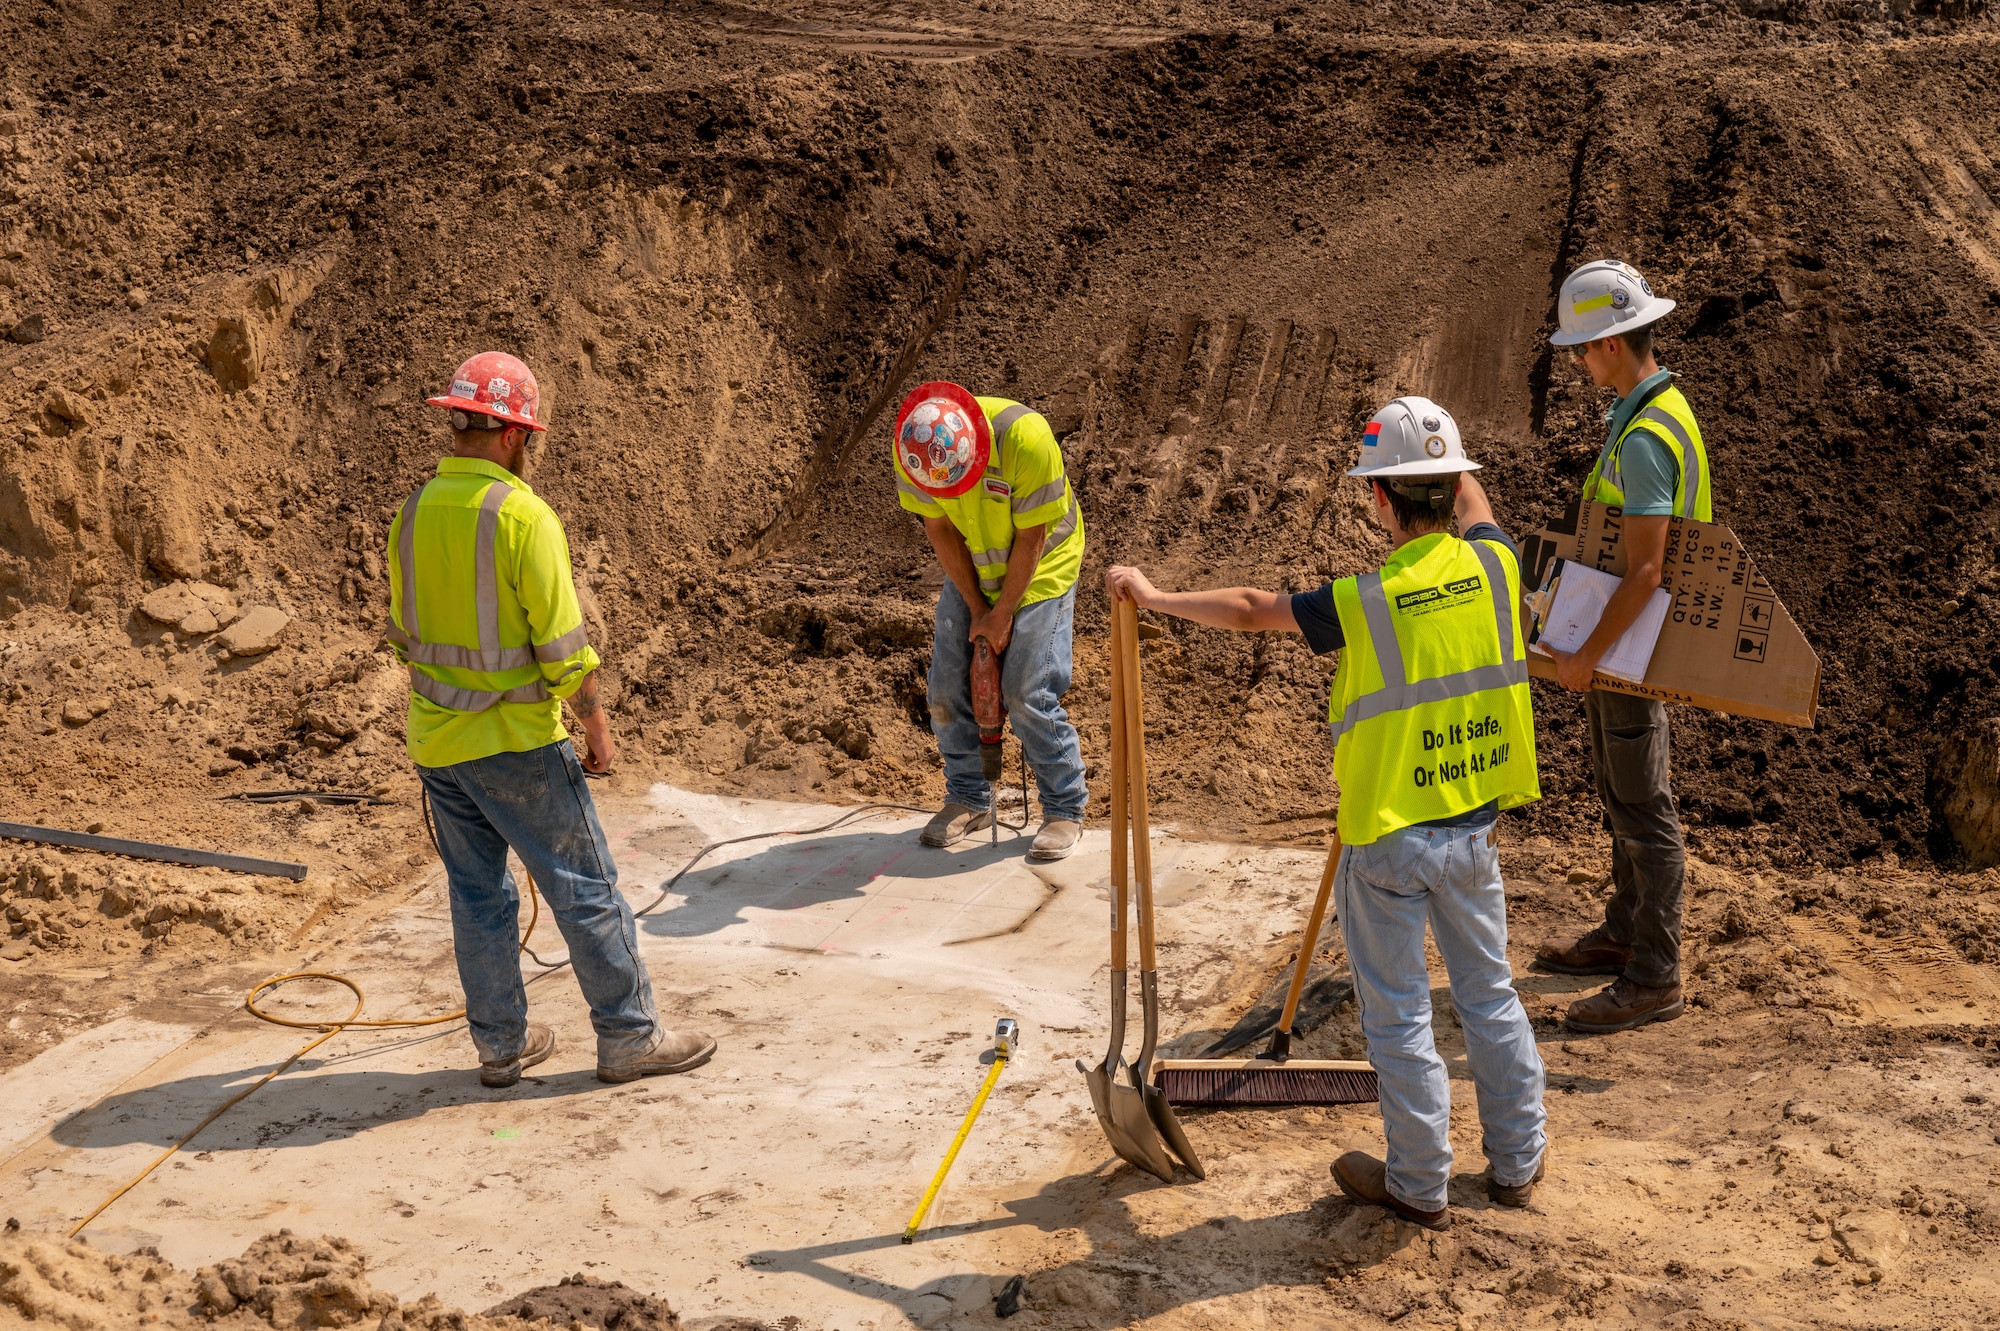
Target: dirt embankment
1206,240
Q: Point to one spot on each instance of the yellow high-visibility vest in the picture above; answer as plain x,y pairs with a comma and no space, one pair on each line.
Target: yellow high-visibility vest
1668,418
1024,486
1430,709
483,609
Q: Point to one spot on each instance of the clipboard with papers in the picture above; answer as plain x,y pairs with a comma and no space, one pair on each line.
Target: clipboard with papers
1570,603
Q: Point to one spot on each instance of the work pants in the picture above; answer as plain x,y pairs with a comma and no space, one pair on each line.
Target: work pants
1385,892
536,802
1034,675
1629,749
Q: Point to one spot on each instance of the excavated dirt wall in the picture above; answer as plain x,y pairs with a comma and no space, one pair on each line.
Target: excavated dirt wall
236,248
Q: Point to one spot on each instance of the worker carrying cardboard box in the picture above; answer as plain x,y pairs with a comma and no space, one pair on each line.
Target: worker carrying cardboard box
484,612
1433,736
986,476
1654,467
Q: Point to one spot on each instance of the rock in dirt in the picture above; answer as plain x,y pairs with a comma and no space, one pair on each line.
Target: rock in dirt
192,607
78,711
257,632
1873,1238
16,949
579,1298
29,331
1969,775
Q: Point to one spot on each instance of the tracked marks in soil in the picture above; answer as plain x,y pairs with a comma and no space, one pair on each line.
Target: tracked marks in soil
1902,981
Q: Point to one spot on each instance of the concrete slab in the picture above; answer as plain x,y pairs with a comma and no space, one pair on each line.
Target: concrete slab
852,977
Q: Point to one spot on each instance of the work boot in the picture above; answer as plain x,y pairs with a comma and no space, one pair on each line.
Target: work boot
672,1051
1365,1179
1519,1194
1592,954
505,1072
1622,1005
1056,840
954,821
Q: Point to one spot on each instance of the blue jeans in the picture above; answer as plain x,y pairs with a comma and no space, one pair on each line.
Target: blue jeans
1034,675
1385,891
536,803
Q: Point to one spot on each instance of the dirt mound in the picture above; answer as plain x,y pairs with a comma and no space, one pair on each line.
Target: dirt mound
1206,239
281,1281
601,1303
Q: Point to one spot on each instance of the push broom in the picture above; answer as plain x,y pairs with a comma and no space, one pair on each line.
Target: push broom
1275,1078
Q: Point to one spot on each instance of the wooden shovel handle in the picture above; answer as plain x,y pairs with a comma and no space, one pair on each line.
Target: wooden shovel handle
1311,937
1135,781
1120,881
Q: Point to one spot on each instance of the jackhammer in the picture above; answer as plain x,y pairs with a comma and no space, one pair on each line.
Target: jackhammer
989,709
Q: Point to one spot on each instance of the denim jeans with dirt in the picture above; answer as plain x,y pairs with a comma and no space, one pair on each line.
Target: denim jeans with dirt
1386,892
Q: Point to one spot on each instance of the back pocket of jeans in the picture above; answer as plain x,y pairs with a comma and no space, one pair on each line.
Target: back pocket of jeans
515,778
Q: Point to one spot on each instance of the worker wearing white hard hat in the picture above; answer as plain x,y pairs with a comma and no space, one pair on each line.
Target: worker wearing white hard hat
1655,468
1433,737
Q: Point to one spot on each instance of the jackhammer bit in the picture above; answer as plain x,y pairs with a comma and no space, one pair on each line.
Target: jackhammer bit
990,711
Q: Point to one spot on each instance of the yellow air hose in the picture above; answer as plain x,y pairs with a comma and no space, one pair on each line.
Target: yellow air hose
327,1031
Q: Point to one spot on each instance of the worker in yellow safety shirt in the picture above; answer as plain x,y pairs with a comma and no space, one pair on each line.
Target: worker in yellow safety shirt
986,476
484,613
1654,468
1433,737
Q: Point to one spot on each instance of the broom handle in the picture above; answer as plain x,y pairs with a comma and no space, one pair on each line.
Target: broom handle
1311,937
1120,881
1135,781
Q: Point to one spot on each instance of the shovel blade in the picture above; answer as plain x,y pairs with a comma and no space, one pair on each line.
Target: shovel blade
1128,1126
1169,1128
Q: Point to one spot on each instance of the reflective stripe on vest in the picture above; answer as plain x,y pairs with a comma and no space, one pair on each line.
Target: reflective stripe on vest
1062,531
489,656
1001,424
1606,482
1397,692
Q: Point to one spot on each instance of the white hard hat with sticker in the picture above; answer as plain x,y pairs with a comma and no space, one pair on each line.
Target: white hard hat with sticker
1602,299
1412,436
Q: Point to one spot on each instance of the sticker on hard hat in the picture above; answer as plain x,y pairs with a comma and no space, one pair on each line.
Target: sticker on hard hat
1645,286
463,388
1434,446
1372,435
1620,299
499,387
1432,424
498,408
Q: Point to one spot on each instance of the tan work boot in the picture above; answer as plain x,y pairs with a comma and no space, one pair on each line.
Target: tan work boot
1518,1194
541,1042
1592,954
1056,840
672,1051
954,821
1623,1005
1365,1179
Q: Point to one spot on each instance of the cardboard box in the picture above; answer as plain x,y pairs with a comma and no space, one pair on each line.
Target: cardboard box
1728,643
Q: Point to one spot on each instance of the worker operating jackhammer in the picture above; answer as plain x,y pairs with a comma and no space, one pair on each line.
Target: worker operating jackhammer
986,476
484,613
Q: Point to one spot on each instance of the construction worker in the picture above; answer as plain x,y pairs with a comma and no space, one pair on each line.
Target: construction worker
1652,466
484,613
986,476
1433,737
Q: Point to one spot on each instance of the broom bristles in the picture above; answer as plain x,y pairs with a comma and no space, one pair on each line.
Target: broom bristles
1271,1084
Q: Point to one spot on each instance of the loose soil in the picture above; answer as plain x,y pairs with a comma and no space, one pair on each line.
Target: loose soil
1207,238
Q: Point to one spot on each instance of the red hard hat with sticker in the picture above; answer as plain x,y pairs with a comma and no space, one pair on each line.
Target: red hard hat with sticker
943,440
495,384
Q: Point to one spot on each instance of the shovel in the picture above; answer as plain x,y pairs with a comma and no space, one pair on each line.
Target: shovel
1121,1108
1157,1108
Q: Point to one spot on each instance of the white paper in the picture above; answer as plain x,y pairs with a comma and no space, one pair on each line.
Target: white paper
1581,594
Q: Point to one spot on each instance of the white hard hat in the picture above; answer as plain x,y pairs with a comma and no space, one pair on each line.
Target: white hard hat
1604,298
1412,436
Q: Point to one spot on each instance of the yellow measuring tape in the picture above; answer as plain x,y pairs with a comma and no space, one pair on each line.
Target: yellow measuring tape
1005,1036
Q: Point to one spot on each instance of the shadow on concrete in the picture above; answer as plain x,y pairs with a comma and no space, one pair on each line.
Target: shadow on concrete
1126,1274
812,871
299,1109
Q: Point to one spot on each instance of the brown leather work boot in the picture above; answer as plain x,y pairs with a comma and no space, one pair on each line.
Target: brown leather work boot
1623,1005
1518,1194
1592,954
1363,1178
536,1048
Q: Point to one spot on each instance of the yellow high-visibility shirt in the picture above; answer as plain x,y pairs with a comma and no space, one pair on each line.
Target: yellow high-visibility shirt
483,609
1024,486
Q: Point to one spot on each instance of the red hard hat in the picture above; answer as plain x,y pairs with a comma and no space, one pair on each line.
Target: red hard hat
943,439
498,385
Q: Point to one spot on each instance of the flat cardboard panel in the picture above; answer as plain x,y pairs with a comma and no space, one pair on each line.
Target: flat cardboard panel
1728,644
